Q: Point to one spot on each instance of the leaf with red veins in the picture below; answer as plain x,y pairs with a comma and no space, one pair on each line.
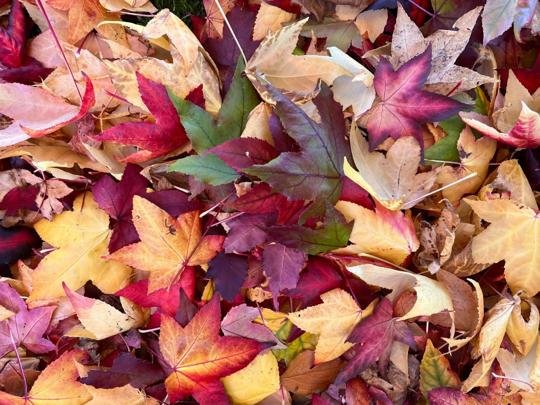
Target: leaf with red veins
197,356
373,338
524,134
402,105
282,266
26,327
154,139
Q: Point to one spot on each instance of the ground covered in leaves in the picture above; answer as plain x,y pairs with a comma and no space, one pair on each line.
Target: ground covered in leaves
269,202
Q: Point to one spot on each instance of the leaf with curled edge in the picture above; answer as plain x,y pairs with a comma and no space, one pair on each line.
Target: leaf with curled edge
402,105
315,172
197,356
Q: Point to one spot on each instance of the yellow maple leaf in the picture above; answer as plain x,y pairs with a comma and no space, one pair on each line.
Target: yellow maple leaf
167,244
81,238
513,236
333,321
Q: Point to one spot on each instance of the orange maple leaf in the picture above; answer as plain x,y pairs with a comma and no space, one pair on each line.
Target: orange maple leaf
198,356
167,244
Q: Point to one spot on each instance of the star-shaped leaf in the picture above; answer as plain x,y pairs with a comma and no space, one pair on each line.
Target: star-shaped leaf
198,356
402,105
178,241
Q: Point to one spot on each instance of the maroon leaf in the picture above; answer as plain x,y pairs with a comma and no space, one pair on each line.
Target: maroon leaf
228,272
246,232
402,104
240,153
126,369
13,39
26,327
117,200
282,266
154,139
373,338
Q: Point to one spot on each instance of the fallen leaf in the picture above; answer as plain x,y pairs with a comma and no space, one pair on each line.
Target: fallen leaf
402,106
193,366
269,20
80,238
515,229
435,371
178,240
333,320
390,179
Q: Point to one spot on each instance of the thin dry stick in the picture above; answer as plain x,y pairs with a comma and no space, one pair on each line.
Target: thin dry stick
222,12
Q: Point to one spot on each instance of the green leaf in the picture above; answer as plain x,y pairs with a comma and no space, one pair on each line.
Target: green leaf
203,132
435,371
238,103
208,168
306,341
446,148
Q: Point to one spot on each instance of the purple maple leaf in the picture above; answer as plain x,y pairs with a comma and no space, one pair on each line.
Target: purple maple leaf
402,105
228,272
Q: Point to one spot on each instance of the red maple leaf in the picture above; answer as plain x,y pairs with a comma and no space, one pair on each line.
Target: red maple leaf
403,106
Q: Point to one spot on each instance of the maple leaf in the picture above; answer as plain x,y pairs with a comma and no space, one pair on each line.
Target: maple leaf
25,327
38,112
512,236
155,139
178,240
333,320
315,172
373,338
198,356
116,199
403,105
80,238
390,179
228,272
446,46
498,16
516,124
83,16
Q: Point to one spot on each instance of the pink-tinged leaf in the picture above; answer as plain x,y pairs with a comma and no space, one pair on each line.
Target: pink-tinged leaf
154,139
126,369
26,327
213,394
282,266
166,299
239,322
402,105
373,338
37,112
228,272
524,134
240,153
13,38
16,243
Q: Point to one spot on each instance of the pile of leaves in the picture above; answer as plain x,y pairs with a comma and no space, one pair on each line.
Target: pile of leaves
283,202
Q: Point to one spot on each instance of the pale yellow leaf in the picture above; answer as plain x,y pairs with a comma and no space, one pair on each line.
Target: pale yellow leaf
333,321
270,19
523,332
255,382
372,23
